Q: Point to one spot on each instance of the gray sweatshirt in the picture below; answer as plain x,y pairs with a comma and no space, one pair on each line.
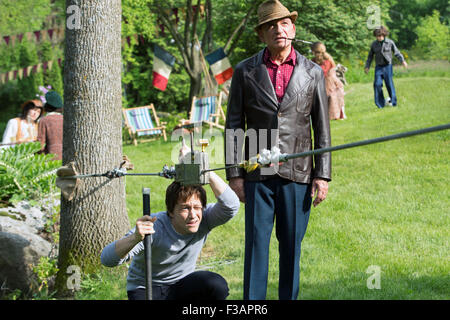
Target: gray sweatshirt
173,255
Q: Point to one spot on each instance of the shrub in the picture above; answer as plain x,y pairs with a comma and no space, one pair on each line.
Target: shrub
433,38
25,174
45,271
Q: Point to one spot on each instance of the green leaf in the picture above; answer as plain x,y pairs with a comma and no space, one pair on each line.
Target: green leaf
26,174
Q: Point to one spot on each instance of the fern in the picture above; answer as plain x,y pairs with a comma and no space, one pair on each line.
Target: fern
24,174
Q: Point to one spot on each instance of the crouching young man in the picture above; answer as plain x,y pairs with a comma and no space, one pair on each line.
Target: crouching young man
178,237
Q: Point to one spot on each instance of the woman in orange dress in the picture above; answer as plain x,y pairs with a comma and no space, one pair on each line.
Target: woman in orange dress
334,86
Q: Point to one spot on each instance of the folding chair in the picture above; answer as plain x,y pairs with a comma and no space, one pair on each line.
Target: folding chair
207,110
139,123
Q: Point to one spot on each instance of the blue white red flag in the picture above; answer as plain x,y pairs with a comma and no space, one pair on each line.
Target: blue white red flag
220,65
162,67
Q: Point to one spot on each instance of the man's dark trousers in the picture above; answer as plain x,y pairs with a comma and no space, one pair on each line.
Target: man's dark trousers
290,203
384,73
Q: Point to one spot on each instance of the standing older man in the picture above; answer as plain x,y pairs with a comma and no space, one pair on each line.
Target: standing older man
277,91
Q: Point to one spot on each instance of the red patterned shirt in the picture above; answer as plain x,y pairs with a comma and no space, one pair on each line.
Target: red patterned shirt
280,74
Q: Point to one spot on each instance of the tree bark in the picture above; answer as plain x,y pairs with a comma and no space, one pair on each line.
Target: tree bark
92,136
195,88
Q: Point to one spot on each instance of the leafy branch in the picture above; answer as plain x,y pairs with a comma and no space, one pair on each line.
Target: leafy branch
24,174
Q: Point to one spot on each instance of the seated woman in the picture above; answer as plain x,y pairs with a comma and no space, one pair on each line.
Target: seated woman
334,87
25,127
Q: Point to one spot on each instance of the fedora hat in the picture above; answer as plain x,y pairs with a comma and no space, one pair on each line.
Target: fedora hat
273,10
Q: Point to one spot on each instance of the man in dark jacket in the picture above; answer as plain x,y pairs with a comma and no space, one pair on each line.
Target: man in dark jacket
275,97
383,49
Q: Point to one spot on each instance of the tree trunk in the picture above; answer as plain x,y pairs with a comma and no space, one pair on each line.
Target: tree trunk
92,137
194,89
195,65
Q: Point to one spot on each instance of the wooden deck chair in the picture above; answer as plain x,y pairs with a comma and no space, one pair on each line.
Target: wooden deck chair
139,123
207,110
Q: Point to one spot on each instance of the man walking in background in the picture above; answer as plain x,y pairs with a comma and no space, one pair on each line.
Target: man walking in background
383,48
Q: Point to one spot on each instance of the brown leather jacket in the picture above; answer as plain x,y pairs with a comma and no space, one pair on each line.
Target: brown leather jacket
253,104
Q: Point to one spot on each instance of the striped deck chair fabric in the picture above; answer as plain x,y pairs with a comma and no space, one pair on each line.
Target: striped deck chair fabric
140,119
203,108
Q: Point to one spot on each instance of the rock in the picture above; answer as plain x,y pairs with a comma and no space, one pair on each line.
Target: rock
12,225
18,253
21,246
31,216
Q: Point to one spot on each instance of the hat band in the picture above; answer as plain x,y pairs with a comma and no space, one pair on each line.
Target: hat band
275,16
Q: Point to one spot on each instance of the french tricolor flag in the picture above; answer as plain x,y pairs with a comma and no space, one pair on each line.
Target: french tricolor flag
220,65
162,66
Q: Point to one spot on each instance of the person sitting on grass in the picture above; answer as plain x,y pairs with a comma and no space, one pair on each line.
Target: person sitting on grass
25,127
178,238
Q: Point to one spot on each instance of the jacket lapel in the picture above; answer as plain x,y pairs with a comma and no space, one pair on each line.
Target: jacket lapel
299,82
260,77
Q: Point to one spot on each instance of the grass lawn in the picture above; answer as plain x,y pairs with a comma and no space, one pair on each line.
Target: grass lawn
388,206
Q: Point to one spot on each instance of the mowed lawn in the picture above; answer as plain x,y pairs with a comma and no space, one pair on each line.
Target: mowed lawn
387,210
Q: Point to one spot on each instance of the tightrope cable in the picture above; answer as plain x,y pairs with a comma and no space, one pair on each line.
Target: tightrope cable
366,142
170,173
